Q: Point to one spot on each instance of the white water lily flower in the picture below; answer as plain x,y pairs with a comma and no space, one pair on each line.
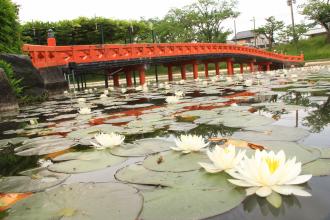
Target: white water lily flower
81,100
248,82
65,92
189,143
138,88
172,99
182,81
107,140
102,96
123,90
224,159
44,163
106,92
85,111
179,93
167,87
90,90
145,88
266,172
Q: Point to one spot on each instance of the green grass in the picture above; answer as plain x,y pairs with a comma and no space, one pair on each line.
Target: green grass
314,48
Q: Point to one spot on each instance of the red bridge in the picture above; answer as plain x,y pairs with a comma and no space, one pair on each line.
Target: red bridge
116,59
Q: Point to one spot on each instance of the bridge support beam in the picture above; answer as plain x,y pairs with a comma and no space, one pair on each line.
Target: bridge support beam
183,72
268,66
128,74
206,69
251,66
170,72
217,68
241,65
106,78
260,67
116,80
230,66
142,75
195,69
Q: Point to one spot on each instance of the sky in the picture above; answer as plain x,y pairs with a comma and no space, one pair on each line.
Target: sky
54,10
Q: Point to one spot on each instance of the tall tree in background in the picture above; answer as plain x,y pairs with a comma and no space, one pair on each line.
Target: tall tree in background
9,27
286,34
207,17
319,12
270,29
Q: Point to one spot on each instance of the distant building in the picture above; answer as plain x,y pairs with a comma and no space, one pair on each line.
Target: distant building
246,38
316,32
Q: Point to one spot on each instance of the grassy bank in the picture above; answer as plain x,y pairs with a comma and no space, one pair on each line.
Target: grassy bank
313,48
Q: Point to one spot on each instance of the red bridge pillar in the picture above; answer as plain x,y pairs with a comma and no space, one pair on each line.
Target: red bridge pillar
241,65
206,68
195,69
116,80
142,75
128,74
183,72
230,66
170,72
251,65
217,68
268,66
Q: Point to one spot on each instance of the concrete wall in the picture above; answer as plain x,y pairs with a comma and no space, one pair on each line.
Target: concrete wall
8,101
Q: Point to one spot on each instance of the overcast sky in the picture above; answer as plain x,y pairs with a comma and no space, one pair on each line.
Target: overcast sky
54,10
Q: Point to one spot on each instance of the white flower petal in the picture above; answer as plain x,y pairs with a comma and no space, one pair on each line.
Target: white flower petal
299,180
264,191
210,168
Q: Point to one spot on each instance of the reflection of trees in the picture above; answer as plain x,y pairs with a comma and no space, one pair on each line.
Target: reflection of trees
11,164
318,118
208,131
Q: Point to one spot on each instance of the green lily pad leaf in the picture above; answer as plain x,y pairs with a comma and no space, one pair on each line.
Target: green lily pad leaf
81,201
325,152
275,199
303,154
92,131
174,161
81,162
35,180
120,120
271,133
319,167
142,147
187,203
137,174
14,141
43,146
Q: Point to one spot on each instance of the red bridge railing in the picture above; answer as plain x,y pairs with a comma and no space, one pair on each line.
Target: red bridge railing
48,56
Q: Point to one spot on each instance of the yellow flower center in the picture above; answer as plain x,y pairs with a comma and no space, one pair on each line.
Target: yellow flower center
226,150
272,164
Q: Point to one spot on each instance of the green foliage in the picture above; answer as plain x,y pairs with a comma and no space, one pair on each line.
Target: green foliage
313,48
13,81
318,11
200,21
286,35
270,29
9,27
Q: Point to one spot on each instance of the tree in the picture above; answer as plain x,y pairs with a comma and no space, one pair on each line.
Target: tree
319,12
9,27
207,17
286,34
270,29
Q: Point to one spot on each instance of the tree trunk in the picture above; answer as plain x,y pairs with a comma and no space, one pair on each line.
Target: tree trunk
328,37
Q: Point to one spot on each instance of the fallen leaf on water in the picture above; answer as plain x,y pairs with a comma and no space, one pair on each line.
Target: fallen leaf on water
7,200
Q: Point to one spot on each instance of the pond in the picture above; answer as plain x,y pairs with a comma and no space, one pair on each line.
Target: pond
51,169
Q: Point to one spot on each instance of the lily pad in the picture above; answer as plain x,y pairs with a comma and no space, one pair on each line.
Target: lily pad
81,162
81,201
319,167
137,174
174,161
188,203
271,133
35,180
92,131
43,146
142,147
